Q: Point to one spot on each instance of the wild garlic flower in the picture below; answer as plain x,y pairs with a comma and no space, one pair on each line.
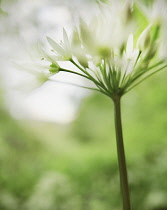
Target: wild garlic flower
156,12
110,51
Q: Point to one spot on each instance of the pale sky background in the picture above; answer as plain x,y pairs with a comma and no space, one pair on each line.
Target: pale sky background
27,23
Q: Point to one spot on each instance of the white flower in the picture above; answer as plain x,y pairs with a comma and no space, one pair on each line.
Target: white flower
159,11
129,47
156,12
105,52
63,52
130,56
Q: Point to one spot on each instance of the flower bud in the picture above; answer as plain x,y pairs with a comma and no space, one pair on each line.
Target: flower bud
150,53
54,68
83,62
144,39
128,12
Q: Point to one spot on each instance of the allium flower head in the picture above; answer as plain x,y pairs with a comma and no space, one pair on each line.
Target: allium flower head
112,51
156,12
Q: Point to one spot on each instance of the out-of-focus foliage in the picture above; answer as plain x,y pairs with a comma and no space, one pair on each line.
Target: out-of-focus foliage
47,166
19,162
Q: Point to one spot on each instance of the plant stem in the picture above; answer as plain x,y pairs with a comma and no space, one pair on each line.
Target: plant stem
121,155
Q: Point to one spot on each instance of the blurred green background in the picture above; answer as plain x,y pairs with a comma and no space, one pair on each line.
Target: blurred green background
73,166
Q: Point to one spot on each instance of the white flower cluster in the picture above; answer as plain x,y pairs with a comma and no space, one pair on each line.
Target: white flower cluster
117,50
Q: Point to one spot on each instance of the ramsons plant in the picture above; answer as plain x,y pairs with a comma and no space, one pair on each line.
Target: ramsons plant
121,47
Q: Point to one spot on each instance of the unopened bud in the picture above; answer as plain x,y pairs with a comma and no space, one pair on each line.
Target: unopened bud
144,39
54,68
156,32
128,12
150,52
122,49
83,62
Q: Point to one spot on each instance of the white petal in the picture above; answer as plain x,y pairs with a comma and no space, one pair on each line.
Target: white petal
135,54
66,40
129,46
56,46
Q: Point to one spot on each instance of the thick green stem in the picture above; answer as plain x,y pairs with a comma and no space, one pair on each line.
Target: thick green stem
121,155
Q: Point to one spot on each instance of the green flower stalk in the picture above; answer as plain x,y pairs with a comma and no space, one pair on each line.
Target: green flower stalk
116,53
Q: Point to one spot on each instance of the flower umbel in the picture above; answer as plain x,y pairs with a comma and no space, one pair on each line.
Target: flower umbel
114,69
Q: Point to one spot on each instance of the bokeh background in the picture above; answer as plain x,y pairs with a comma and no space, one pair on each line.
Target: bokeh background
57,141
